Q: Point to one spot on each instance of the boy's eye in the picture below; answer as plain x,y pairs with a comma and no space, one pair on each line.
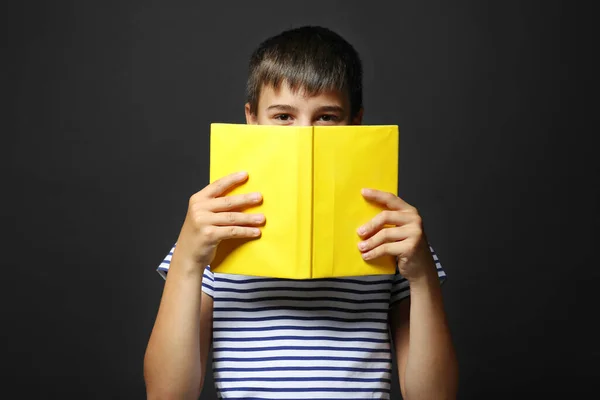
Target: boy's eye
282,117
329,118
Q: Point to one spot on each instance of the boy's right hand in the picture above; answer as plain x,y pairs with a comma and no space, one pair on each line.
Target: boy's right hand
212,217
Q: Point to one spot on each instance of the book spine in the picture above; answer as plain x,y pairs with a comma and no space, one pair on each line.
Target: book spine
312,200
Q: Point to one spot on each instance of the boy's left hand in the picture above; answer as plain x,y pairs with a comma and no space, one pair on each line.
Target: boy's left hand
396,231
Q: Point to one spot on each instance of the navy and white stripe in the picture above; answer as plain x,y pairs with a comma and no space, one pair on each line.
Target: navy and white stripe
302,339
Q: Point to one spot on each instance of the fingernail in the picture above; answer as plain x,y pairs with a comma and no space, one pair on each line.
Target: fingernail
255,231
256,196
258,218
362,245
366,256
361,230
242,174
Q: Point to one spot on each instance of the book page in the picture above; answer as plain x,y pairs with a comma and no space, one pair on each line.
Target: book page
347,159
279,164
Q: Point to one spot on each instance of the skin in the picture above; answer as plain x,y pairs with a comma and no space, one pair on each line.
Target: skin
175,361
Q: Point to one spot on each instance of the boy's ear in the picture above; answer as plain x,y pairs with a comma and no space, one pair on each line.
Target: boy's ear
357,119
251,119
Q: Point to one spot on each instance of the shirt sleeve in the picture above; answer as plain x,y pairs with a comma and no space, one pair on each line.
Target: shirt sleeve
208,279
400,287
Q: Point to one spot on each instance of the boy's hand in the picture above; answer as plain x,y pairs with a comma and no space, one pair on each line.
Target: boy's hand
212,217
397,231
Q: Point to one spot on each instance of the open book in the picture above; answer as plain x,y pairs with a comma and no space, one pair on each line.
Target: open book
310,178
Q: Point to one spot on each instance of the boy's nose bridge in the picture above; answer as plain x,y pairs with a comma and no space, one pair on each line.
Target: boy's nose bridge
303,121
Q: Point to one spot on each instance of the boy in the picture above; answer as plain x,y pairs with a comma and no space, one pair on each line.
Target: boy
301,339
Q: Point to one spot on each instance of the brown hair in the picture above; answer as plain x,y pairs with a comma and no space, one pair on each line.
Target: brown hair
311,58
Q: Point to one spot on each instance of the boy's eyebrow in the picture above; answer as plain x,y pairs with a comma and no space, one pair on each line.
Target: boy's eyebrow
282,107
337,109
287,107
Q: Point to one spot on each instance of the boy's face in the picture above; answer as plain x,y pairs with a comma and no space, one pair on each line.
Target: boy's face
283,106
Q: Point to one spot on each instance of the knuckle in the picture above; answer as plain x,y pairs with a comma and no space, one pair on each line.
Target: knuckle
227,202
384,249
234,232
220,183
398,233
379,220
197,218
385,234
419,233
414,243
386,215
209,232
230,217
196,214
377,251
416,232
418,220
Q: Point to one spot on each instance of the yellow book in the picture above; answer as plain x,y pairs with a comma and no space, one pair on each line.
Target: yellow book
310,178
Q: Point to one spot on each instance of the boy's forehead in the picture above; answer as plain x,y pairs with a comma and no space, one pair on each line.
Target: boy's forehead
285,93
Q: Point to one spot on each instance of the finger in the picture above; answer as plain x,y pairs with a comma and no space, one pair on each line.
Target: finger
389,249
386,199
386,217
386,235
223,185
236,219
235,232
228,203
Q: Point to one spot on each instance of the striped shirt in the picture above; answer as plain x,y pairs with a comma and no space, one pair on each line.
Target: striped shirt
302,339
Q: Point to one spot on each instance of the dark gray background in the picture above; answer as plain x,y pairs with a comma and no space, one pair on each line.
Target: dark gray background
106,136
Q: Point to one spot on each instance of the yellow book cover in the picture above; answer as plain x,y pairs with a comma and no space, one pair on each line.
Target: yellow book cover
310,178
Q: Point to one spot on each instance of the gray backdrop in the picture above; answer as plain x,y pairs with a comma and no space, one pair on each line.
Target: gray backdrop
106,137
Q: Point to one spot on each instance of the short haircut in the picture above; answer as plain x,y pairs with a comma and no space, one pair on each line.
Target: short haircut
309,58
